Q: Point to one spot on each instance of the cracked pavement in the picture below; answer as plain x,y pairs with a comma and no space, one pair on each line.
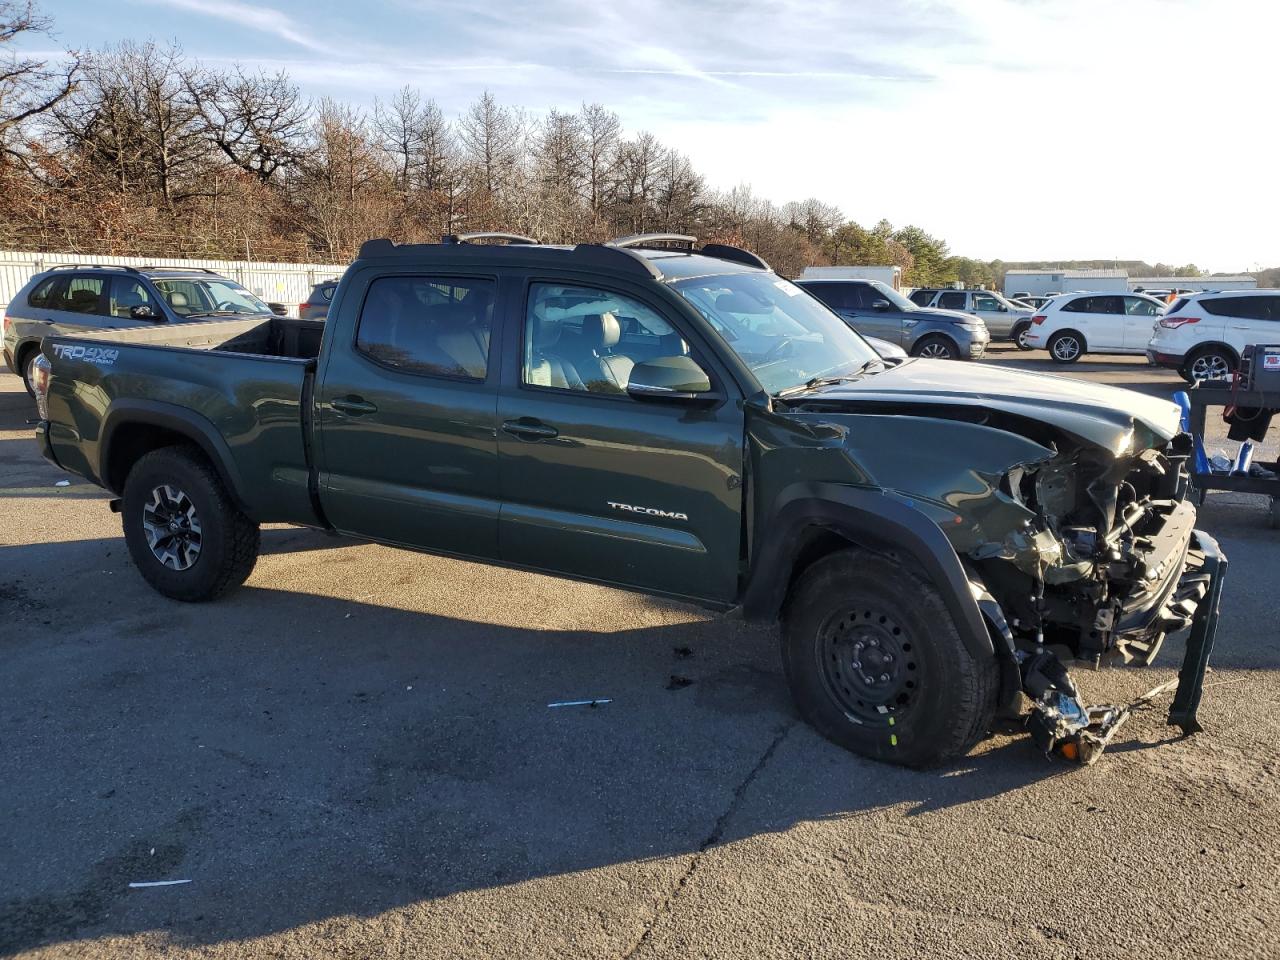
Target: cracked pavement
353,757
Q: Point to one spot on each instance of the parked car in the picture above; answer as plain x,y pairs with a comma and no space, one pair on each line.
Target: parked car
316,306
877,310
1074,324
685,423
72,298
886,350
1005,320
1202,335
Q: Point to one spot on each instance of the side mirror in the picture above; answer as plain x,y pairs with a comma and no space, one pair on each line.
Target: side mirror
669,378
144,312
279,309
880,305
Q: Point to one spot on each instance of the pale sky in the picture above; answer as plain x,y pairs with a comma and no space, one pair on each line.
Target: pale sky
1019,129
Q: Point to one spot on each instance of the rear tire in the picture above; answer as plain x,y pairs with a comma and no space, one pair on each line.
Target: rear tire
185,534
876,664
1066,346
1208,363
936,347
28,369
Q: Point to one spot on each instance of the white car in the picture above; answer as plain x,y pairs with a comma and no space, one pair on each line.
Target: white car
1203,334
1073,324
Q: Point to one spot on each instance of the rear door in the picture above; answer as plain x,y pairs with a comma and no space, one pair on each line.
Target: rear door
1099,317
78,303
1245,320
405,412
596,484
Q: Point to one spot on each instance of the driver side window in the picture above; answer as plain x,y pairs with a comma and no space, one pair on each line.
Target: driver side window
586,339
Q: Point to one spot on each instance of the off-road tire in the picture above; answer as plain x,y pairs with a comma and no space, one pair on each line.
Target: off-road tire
936,341
1062,355
953,702
229,539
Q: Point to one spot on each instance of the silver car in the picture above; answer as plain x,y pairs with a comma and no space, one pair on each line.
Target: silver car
1005,320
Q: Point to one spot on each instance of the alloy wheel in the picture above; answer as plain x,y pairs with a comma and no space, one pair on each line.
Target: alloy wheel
172,527
936,349
1066,348
1210,366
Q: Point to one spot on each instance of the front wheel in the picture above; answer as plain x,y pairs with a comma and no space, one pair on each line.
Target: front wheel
1020,336
876,664
1066,347
186,536
936,347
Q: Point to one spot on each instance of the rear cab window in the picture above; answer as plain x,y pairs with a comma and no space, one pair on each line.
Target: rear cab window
428,325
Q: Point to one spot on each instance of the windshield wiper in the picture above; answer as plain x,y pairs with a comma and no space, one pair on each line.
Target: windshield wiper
817,382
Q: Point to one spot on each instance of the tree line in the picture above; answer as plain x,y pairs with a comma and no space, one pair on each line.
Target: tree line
137,149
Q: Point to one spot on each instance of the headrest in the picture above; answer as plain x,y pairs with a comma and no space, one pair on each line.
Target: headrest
83,296
601,330
130,298
177,299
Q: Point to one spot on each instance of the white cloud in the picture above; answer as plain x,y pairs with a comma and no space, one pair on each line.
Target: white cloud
263,19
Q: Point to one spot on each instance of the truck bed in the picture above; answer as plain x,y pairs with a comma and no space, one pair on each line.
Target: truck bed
242,386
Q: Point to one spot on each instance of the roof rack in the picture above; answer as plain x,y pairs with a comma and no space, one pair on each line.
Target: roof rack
643,240
182,269
723,251
95,266
514,238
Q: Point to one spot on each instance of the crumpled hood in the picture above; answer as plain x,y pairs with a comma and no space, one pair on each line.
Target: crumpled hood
1094,412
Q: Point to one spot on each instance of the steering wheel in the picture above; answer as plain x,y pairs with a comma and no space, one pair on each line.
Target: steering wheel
228,306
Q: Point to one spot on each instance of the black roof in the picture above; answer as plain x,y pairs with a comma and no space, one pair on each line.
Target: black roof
648,256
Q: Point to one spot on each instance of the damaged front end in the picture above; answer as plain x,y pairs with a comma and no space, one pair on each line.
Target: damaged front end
1104,565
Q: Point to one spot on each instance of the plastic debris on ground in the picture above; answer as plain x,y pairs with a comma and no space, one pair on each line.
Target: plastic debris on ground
156,883
581,703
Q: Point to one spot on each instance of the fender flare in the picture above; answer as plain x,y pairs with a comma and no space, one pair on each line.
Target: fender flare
180,420
870,519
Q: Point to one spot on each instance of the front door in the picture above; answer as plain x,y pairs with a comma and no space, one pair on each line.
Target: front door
406,412
994,313
599,485
1140,315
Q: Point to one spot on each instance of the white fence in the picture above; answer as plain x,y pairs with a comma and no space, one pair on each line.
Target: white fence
287,283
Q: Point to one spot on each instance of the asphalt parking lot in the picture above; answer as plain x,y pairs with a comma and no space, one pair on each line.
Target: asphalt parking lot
353,757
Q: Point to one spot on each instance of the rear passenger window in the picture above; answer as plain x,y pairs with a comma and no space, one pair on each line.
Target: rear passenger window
1245,308
952,300
428,325
84,294
47,295
921,298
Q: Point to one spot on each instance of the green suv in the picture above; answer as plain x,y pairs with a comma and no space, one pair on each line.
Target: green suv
681,421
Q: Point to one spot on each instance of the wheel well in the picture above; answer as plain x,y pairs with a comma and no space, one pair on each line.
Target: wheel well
131,442
23,351
1020,325
1076,333
818,542
936,336
1215,344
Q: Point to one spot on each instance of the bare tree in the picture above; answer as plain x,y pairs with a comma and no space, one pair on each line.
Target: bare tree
492,139
29,87
601,131
257,120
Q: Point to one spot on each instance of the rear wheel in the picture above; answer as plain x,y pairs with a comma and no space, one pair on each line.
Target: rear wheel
29,370
1066,346
937,347
1208,363
876,664
186,536
1020,336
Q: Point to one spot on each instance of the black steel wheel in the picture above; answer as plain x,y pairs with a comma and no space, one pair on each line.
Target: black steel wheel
876,664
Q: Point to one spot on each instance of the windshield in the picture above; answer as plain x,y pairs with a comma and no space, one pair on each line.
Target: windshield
893,296
191,297
783,334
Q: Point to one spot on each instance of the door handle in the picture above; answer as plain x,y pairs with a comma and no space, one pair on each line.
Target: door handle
355,406
526,428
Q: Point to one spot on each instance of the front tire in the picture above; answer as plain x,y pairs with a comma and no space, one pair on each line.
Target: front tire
936,347
1020,336
1066,346
876,664
186,536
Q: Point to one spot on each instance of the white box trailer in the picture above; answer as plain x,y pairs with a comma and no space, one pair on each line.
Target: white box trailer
889,275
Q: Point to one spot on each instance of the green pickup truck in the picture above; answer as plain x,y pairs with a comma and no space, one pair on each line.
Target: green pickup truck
937,540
